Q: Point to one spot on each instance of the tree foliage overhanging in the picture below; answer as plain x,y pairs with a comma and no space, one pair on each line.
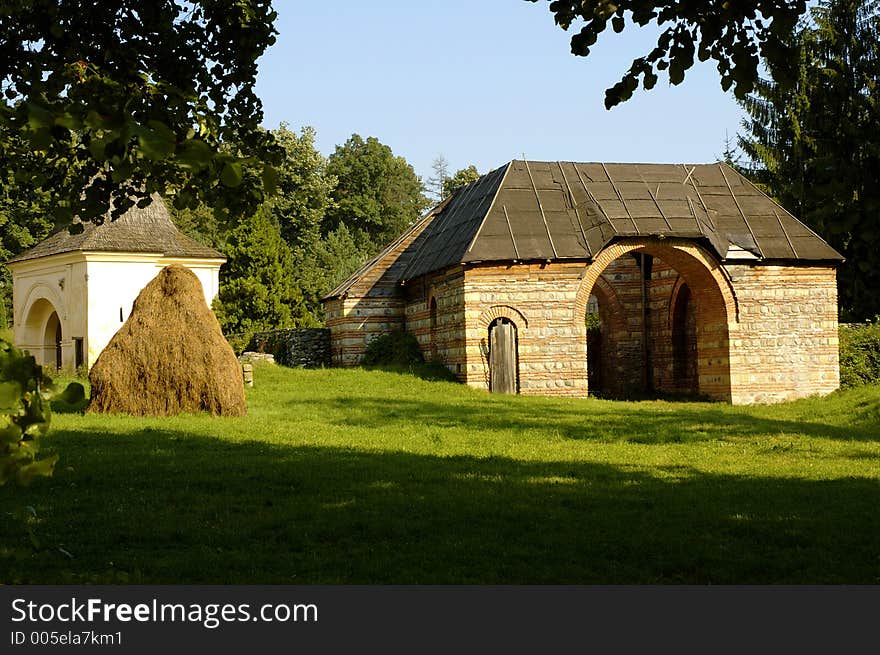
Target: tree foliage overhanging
107,102
735,34
815,145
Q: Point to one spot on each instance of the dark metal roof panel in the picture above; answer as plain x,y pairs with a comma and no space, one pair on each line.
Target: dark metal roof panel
562,210
448,237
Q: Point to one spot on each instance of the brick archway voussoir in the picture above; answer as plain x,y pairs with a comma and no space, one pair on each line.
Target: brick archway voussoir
685,256
503,311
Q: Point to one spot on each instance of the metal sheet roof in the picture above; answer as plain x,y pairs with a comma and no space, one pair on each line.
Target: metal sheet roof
532,210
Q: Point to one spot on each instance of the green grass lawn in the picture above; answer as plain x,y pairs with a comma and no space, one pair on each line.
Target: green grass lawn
373,477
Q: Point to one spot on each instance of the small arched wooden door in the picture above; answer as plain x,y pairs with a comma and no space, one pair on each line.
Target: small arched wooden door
502,356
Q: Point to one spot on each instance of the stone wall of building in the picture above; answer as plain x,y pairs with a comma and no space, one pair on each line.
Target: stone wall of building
354,321
737,332
786,342
435,314
296,347
547,304
539,300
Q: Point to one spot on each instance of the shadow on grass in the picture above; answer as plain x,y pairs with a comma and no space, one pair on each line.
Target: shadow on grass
62,407
429,371
645,424
165,507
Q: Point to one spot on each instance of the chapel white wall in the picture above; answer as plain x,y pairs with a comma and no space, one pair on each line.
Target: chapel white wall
93,294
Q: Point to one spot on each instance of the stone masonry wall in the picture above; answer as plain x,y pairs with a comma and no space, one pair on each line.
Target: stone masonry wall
354,321
441,339
539,300
786,343
298,347
763,333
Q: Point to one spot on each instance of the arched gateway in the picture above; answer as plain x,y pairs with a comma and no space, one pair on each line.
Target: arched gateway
646,277
42,333
695,282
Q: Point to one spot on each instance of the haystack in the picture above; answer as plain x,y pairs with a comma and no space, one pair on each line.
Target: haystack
169,357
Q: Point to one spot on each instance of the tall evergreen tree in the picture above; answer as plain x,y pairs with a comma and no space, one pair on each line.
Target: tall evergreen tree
257,289
327,263
815,145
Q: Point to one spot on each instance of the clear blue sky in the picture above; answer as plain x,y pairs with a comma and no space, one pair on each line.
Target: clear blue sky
481,82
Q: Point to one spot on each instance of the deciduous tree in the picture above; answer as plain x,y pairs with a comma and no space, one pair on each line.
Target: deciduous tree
378,194
305,188
735,34
462,177
105,103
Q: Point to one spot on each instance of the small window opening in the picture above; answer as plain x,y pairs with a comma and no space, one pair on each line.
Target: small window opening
79,351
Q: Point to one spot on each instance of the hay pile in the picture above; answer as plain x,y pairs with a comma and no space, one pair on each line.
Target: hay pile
169,357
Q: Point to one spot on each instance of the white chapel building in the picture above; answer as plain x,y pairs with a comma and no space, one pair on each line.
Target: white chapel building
72,292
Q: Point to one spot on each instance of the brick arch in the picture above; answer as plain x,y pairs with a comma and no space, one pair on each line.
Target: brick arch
688,258
713,296
508,312
614,338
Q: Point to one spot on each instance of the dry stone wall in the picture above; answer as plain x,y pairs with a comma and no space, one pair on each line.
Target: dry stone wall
295,347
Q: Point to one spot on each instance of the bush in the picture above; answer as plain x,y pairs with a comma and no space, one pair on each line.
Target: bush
239,342
860,354
24,416
397,348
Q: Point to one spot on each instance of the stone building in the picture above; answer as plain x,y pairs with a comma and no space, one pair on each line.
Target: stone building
697,283
72,292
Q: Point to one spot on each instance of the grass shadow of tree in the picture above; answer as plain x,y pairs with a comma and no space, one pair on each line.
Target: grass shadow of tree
603,421
174,507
